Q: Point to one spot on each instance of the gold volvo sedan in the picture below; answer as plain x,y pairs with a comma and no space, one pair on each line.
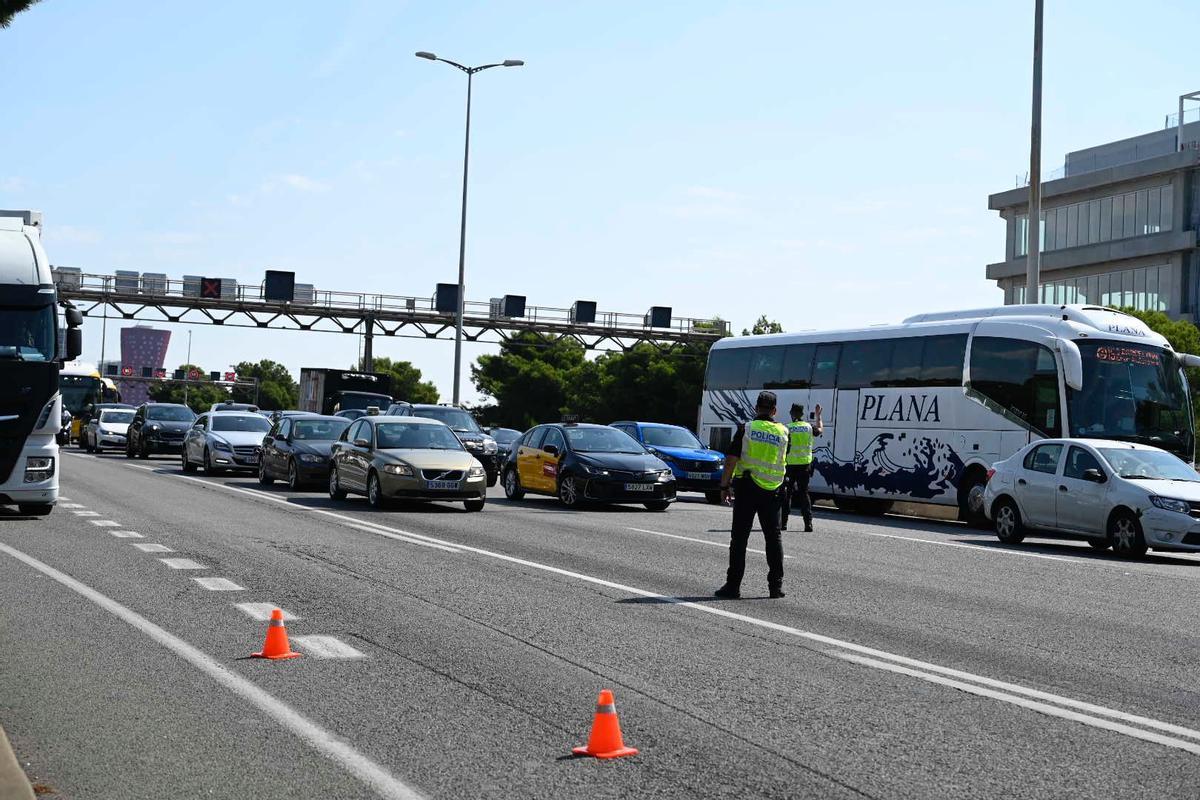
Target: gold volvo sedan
405,458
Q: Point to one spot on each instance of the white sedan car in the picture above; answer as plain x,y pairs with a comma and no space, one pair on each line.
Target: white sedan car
107,429
1114,494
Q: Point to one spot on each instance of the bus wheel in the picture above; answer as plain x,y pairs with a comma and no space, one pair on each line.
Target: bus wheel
970,499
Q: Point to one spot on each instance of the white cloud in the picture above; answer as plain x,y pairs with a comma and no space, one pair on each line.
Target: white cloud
301,183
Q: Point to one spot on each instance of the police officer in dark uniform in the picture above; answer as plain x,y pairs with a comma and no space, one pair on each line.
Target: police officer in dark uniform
755,468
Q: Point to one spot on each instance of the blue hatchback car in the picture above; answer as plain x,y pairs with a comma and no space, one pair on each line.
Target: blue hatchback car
696,468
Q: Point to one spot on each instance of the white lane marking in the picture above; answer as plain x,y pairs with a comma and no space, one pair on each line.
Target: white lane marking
126,534
62,499
86,513
829,641
722,545
182,563
1033,705
105,523
152,547
70,505
219,585
326,647
324,742
977,547
262,611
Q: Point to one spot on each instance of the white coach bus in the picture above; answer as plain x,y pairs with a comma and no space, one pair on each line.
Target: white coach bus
919,411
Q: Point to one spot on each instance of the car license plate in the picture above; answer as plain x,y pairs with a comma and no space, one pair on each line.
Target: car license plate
699,476
639,487
251,459
441,484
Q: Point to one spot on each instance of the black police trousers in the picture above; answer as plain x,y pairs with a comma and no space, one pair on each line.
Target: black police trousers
795,491
750,501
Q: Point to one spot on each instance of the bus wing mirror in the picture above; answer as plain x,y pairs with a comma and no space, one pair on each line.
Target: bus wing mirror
1189,360
1072,361
74,344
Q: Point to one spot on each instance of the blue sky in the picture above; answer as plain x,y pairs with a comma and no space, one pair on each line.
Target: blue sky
825,164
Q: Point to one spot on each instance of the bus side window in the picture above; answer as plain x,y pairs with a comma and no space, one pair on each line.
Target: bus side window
797,366
906,361
1019,377
942,361
728,367
825,366
719,438
865,364
766,364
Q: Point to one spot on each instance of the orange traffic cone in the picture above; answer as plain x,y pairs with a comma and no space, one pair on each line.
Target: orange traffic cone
605,740
276,645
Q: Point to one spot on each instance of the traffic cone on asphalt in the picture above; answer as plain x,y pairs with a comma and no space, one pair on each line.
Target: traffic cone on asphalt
276,645
605,740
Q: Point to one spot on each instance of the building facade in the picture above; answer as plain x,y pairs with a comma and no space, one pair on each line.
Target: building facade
1118,228
142,347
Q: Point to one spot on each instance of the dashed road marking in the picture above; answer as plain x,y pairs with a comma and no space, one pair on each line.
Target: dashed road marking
219,585
262,611
104,523
323,741
326,647
71,505
86,513
126,534
182,563
723,545
152,547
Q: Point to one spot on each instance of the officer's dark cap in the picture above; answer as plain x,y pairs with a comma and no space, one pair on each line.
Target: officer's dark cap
766,401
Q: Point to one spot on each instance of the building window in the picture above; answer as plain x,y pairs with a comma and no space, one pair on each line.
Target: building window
1144,289
1139,213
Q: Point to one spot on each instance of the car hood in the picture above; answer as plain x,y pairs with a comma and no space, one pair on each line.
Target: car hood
422,458
317,447
690,453
1180,490
238,438
629,462
113,427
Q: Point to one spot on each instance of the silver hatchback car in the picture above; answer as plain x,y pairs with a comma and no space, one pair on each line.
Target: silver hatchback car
1126,496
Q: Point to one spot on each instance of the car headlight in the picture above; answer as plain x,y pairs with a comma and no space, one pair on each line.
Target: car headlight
1171,504
312,458
476,472
663,474
471,444
155,427
489,445
590,470
220,445
398,469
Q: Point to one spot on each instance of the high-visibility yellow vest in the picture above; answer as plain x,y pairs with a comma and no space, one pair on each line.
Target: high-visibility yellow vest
801,436
764,450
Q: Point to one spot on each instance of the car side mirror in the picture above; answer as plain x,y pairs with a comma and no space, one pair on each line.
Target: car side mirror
361,442
550,450
1094,475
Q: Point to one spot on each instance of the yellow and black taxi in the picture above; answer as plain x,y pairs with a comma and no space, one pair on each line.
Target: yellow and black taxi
581,463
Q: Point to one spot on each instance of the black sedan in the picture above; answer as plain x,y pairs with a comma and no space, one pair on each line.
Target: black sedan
297,450
580,463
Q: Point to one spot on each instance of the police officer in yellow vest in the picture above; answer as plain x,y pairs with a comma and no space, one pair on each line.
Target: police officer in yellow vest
755,468
800,464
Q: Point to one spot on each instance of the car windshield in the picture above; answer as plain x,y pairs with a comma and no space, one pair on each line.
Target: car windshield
362,401
170,413
27,334
116,417
1148,465
456,418
506,435
415,436
670,437
320,430
602,440
1134,393
240,422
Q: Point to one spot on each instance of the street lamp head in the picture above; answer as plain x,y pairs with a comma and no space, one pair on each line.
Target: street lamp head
513,62
423,54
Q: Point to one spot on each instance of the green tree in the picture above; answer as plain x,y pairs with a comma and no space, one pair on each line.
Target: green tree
528,379
199,396
763,325
408,384
10,8
276,386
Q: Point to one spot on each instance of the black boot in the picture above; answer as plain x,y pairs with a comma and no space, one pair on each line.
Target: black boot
777,592
808,526
727,592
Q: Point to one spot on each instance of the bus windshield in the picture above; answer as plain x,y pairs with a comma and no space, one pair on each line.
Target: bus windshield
78,391
1134,393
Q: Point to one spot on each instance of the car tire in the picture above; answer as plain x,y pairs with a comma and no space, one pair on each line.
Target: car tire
336,492
293,478
1125,533
657,505
35,509
375,492
209,469
185,463
474,505
970,498
512,485
492,479
263,478
568,492
713,498
1006,521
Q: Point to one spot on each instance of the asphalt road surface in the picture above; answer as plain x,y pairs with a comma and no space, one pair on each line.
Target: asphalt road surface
448,654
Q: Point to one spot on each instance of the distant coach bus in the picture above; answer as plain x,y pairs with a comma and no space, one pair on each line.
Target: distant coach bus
919,411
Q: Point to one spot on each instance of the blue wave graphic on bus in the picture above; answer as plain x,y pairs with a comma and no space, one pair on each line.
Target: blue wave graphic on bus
731,405
933,468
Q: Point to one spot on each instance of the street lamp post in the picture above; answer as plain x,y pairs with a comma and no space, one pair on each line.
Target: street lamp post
1033,242
462,232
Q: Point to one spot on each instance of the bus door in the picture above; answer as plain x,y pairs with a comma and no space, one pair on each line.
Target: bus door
845,433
